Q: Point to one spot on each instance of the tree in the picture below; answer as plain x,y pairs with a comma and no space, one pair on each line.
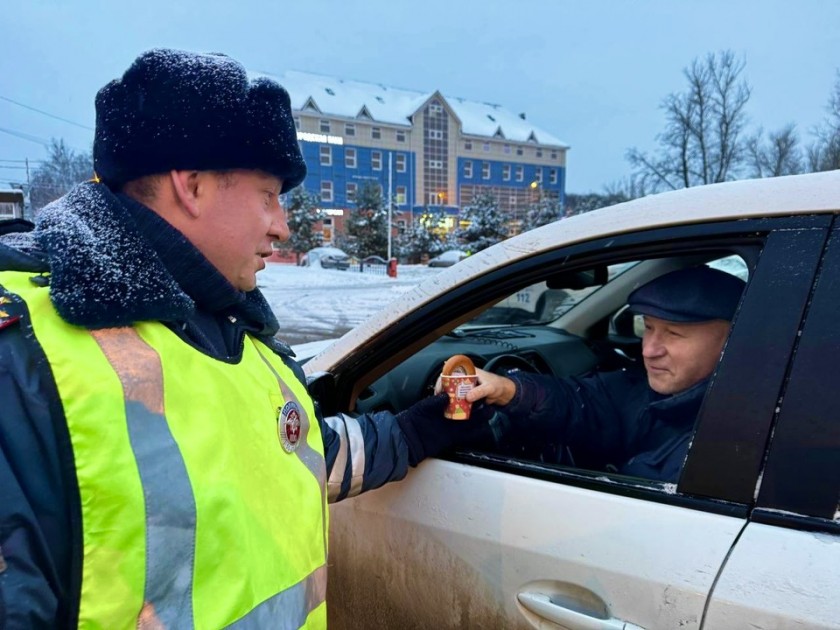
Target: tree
546,210
367,224
824,154
701,142
61,171
486,224
303,214
422,237
779,154
578,204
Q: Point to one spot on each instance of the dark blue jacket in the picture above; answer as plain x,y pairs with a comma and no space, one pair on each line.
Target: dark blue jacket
610,421
109,262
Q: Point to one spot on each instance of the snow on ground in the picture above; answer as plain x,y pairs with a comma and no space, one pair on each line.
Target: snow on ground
313,304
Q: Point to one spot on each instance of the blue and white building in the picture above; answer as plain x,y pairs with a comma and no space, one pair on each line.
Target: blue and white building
429,152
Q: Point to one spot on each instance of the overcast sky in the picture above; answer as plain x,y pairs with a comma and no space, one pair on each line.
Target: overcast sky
592,72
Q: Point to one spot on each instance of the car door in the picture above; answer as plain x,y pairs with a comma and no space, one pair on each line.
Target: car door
482,541
784,570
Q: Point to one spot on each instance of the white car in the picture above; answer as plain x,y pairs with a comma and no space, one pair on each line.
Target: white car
749,536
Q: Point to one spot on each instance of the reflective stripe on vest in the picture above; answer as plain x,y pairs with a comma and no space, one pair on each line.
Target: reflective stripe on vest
193,514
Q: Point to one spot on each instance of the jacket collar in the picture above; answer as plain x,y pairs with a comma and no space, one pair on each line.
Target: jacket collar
684,404
104,273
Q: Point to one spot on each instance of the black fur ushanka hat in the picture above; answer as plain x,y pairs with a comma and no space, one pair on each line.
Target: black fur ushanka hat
174,109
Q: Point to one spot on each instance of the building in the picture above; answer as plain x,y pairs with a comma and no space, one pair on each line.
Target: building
428,152
12,201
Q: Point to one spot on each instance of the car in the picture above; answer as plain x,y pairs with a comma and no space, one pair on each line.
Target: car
516,537
326,258
447,258
373,260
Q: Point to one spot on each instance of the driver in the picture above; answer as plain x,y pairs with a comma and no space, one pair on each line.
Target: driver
633,422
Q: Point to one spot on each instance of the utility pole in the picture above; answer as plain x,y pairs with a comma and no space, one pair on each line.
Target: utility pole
388,227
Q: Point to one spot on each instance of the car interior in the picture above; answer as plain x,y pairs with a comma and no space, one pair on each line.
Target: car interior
571,322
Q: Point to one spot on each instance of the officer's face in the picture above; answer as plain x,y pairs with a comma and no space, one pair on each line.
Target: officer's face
678,356
244,215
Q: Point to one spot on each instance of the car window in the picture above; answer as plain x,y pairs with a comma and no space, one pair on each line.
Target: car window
540,303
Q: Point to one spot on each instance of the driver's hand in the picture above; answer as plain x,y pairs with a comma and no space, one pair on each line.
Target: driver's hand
495,389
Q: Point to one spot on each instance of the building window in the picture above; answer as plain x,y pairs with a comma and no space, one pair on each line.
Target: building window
468,169
351,192
520,173
324,126
375,133
539,153
538,175
485,170
376,160
552,175
349,129
400,136
554,155
326,190
350,157
506,172
436,164
400,162
400,199
326,155
486,146
435,134
468,146
507,148
518,150
435,107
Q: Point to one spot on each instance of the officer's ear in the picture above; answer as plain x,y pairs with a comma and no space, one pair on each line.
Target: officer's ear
188,187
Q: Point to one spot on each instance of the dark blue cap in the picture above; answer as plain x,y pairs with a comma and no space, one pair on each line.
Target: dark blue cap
698,294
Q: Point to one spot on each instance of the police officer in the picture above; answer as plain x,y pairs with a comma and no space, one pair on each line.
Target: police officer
635,423
161,462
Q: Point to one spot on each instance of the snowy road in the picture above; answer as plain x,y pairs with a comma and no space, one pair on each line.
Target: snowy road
313,304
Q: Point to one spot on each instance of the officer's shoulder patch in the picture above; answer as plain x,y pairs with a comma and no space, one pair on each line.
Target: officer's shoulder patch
7,318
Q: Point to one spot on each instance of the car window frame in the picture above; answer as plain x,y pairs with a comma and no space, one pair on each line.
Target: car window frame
355,370
800,485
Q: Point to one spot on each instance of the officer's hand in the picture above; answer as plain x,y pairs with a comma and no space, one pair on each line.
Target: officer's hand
429,433
494,389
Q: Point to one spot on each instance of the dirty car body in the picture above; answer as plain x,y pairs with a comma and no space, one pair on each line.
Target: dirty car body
518,535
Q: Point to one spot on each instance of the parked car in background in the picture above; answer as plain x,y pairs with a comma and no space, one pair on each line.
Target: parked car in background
326,258
447,258
370,261
515,535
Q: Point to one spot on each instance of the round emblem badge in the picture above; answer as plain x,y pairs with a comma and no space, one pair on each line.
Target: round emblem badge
288,426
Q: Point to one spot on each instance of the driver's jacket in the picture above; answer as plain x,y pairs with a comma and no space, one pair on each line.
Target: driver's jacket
608,420
99,385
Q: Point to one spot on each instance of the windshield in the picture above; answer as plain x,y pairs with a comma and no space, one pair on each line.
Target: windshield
539,303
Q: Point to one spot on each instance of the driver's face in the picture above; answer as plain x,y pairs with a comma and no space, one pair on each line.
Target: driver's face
678,355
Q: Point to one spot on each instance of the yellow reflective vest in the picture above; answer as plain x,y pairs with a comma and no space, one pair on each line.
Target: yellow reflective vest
202,483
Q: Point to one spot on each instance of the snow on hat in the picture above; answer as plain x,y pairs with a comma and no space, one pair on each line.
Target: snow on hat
174,109
697,294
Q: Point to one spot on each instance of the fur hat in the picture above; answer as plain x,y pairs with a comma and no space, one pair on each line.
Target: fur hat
174,109
697,294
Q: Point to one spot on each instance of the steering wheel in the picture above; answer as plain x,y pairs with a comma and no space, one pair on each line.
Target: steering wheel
504,363
517,444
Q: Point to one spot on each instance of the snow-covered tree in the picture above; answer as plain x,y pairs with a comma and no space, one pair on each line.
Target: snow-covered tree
367,224
487,225
303,214
424,236
62,170
545,210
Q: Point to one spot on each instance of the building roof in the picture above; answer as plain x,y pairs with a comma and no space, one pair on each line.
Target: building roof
382,103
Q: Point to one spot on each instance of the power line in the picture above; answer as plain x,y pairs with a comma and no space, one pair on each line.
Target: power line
26,136
29,107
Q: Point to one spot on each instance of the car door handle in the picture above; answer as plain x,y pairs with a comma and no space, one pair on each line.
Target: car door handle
541,605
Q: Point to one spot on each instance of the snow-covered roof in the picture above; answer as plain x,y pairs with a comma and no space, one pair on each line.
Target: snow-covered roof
386,104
